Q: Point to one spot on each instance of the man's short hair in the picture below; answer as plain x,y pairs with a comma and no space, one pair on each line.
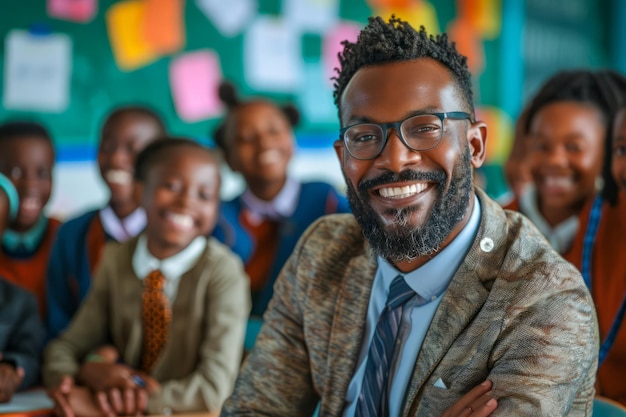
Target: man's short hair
383,42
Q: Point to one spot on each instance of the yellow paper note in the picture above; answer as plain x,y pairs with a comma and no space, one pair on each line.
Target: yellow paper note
124,24
500,127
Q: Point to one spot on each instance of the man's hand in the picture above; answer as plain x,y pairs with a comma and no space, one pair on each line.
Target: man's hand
476,403
60,395
10,378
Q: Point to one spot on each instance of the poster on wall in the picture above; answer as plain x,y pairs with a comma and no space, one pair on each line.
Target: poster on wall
272,56
229,17
37,70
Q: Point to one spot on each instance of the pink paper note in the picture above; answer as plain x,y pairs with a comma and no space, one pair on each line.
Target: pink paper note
332,46
194,79
75,10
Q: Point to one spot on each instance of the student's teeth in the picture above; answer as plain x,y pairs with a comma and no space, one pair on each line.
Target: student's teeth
31,204
181,220
558,181
269,157
119,176
402,192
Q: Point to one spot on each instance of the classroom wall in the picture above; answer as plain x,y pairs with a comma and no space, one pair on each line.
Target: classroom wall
66,63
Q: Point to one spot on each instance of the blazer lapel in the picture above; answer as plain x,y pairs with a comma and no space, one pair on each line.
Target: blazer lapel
347,329
461,302
464,297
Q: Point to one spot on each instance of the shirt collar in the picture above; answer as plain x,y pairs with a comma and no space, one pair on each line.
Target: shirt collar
122,229
174,266
28,240
282,206
560,236
431,279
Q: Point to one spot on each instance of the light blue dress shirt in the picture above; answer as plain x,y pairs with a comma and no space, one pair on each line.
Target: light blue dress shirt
429,281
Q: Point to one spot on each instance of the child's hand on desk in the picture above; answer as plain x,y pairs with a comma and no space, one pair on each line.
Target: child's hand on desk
117,389
60,395
10,378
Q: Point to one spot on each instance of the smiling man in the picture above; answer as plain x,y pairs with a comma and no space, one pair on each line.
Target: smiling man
429,288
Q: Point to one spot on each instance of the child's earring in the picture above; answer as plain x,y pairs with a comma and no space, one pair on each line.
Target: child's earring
599,184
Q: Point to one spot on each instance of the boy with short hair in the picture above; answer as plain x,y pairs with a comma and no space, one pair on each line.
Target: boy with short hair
78,249
21,331
173,303
27,159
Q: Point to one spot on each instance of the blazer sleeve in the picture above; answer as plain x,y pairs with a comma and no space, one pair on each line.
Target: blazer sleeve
276,377
88,329
226,309
544,361
58,295
26,340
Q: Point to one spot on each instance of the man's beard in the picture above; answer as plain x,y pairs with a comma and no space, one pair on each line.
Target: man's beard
399,241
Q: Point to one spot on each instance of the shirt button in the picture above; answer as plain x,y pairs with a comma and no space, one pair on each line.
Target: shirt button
433,298
486,244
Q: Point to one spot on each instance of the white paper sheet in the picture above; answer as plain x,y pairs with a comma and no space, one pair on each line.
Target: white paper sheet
273,56
316,96
316,16
27,401
37,71
230,17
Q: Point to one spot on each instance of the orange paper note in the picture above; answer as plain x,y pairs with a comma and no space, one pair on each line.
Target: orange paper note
418,13
124,23
163,25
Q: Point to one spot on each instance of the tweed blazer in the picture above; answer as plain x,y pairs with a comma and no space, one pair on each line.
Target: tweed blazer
515,312
201,358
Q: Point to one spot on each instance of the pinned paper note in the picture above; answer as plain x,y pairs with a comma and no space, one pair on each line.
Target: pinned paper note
163,25
195,78
229,17
332,46
388,4
317,16
500,126
417,13
75,10
483,15
273,56
124,24
316,96
468,43
37,70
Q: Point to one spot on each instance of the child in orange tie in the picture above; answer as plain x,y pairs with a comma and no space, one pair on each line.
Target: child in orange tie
189,362
27,159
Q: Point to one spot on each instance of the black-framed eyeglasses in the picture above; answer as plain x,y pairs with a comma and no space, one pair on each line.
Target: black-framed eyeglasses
419,133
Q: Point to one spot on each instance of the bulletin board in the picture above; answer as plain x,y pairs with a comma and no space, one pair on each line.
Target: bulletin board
97,83
238,45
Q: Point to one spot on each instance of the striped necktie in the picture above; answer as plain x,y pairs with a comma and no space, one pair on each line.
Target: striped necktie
373,399
156,316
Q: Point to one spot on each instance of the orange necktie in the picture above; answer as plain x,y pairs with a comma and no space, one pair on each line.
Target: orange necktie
156,316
